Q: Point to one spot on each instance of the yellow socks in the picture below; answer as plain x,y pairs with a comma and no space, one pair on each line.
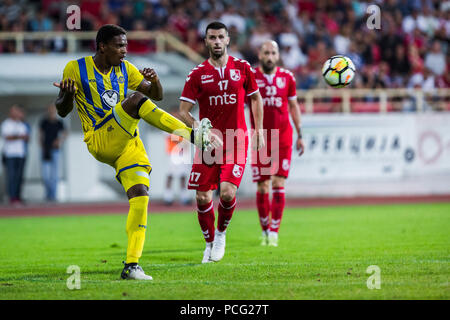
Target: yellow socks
163,120
136,226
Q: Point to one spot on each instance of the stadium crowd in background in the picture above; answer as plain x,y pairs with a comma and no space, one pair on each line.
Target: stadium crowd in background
410,49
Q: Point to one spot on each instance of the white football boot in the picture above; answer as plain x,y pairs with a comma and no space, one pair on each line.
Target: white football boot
134,272
273,239
218,249
207,253
265,238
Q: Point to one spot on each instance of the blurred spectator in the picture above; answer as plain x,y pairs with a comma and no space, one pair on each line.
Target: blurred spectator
232,18
435,59
10,10
179,22
259,34
141,46
15,134
292,56
210,16
40,22
58,43
126,17
342,40
149,17
413,21
422,80
317,55
354,55
400,65
233,51
51,135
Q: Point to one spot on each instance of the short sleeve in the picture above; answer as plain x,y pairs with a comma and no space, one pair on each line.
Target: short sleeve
191,89
250,84
70,71
134,76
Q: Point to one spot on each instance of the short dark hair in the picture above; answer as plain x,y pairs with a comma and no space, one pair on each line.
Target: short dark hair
216,25
107,32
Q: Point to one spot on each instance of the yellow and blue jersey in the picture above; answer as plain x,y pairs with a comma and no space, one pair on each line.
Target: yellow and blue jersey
97,93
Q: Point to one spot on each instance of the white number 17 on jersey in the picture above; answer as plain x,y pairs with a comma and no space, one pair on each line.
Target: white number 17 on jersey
223,84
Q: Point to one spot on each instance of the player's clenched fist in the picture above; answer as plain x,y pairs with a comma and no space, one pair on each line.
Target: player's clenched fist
149,74
67,86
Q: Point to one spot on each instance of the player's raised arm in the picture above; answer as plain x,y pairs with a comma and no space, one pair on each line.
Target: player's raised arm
150,85
258,112
64,102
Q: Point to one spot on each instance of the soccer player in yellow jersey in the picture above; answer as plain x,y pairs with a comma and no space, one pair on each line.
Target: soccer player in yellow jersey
110,119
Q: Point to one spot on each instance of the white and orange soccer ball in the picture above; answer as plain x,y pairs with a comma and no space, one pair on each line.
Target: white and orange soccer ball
338,71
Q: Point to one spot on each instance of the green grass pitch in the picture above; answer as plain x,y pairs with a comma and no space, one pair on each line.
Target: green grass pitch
323,253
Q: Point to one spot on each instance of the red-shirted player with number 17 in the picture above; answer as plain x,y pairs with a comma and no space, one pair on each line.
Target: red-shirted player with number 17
278,90
220,86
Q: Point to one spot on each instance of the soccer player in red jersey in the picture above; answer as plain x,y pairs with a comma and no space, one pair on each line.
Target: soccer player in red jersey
278,90
220,86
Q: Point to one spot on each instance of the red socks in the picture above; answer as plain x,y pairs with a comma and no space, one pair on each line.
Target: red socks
206,219
226,209
278,203
264,208
263,205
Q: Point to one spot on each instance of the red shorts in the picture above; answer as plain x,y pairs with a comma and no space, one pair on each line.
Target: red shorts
206,177
271,162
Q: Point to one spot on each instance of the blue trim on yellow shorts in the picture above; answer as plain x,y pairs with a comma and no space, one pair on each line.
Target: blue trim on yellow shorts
132,166
135,132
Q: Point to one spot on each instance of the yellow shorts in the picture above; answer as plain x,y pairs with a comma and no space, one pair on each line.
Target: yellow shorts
115,141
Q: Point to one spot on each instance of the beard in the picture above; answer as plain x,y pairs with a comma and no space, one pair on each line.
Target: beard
216,55
268,68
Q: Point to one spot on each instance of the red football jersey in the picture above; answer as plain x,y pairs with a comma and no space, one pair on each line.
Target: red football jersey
276,89
221,92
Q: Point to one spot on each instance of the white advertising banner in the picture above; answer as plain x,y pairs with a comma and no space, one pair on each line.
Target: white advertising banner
373,154
352,147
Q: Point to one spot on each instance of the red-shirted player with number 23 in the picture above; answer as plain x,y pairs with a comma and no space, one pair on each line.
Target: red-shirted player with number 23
220,85
278,89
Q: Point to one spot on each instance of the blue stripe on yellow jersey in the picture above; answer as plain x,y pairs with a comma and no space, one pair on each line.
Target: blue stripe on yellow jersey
96,92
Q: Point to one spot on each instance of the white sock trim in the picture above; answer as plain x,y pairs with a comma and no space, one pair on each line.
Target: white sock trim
203,211
221,204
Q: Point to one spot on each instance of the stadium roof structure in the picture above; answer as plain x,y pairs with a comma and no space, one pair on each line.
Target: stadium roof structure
33,74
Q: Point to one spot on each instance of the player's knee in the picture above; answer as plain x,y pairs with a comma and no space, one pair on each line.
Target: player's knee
227,194
263,187
278,182
138,190
202,198
136,97
131,104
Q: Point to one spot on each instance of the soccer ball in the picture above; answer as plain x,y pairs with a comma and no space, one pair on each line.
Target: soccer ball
338,71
